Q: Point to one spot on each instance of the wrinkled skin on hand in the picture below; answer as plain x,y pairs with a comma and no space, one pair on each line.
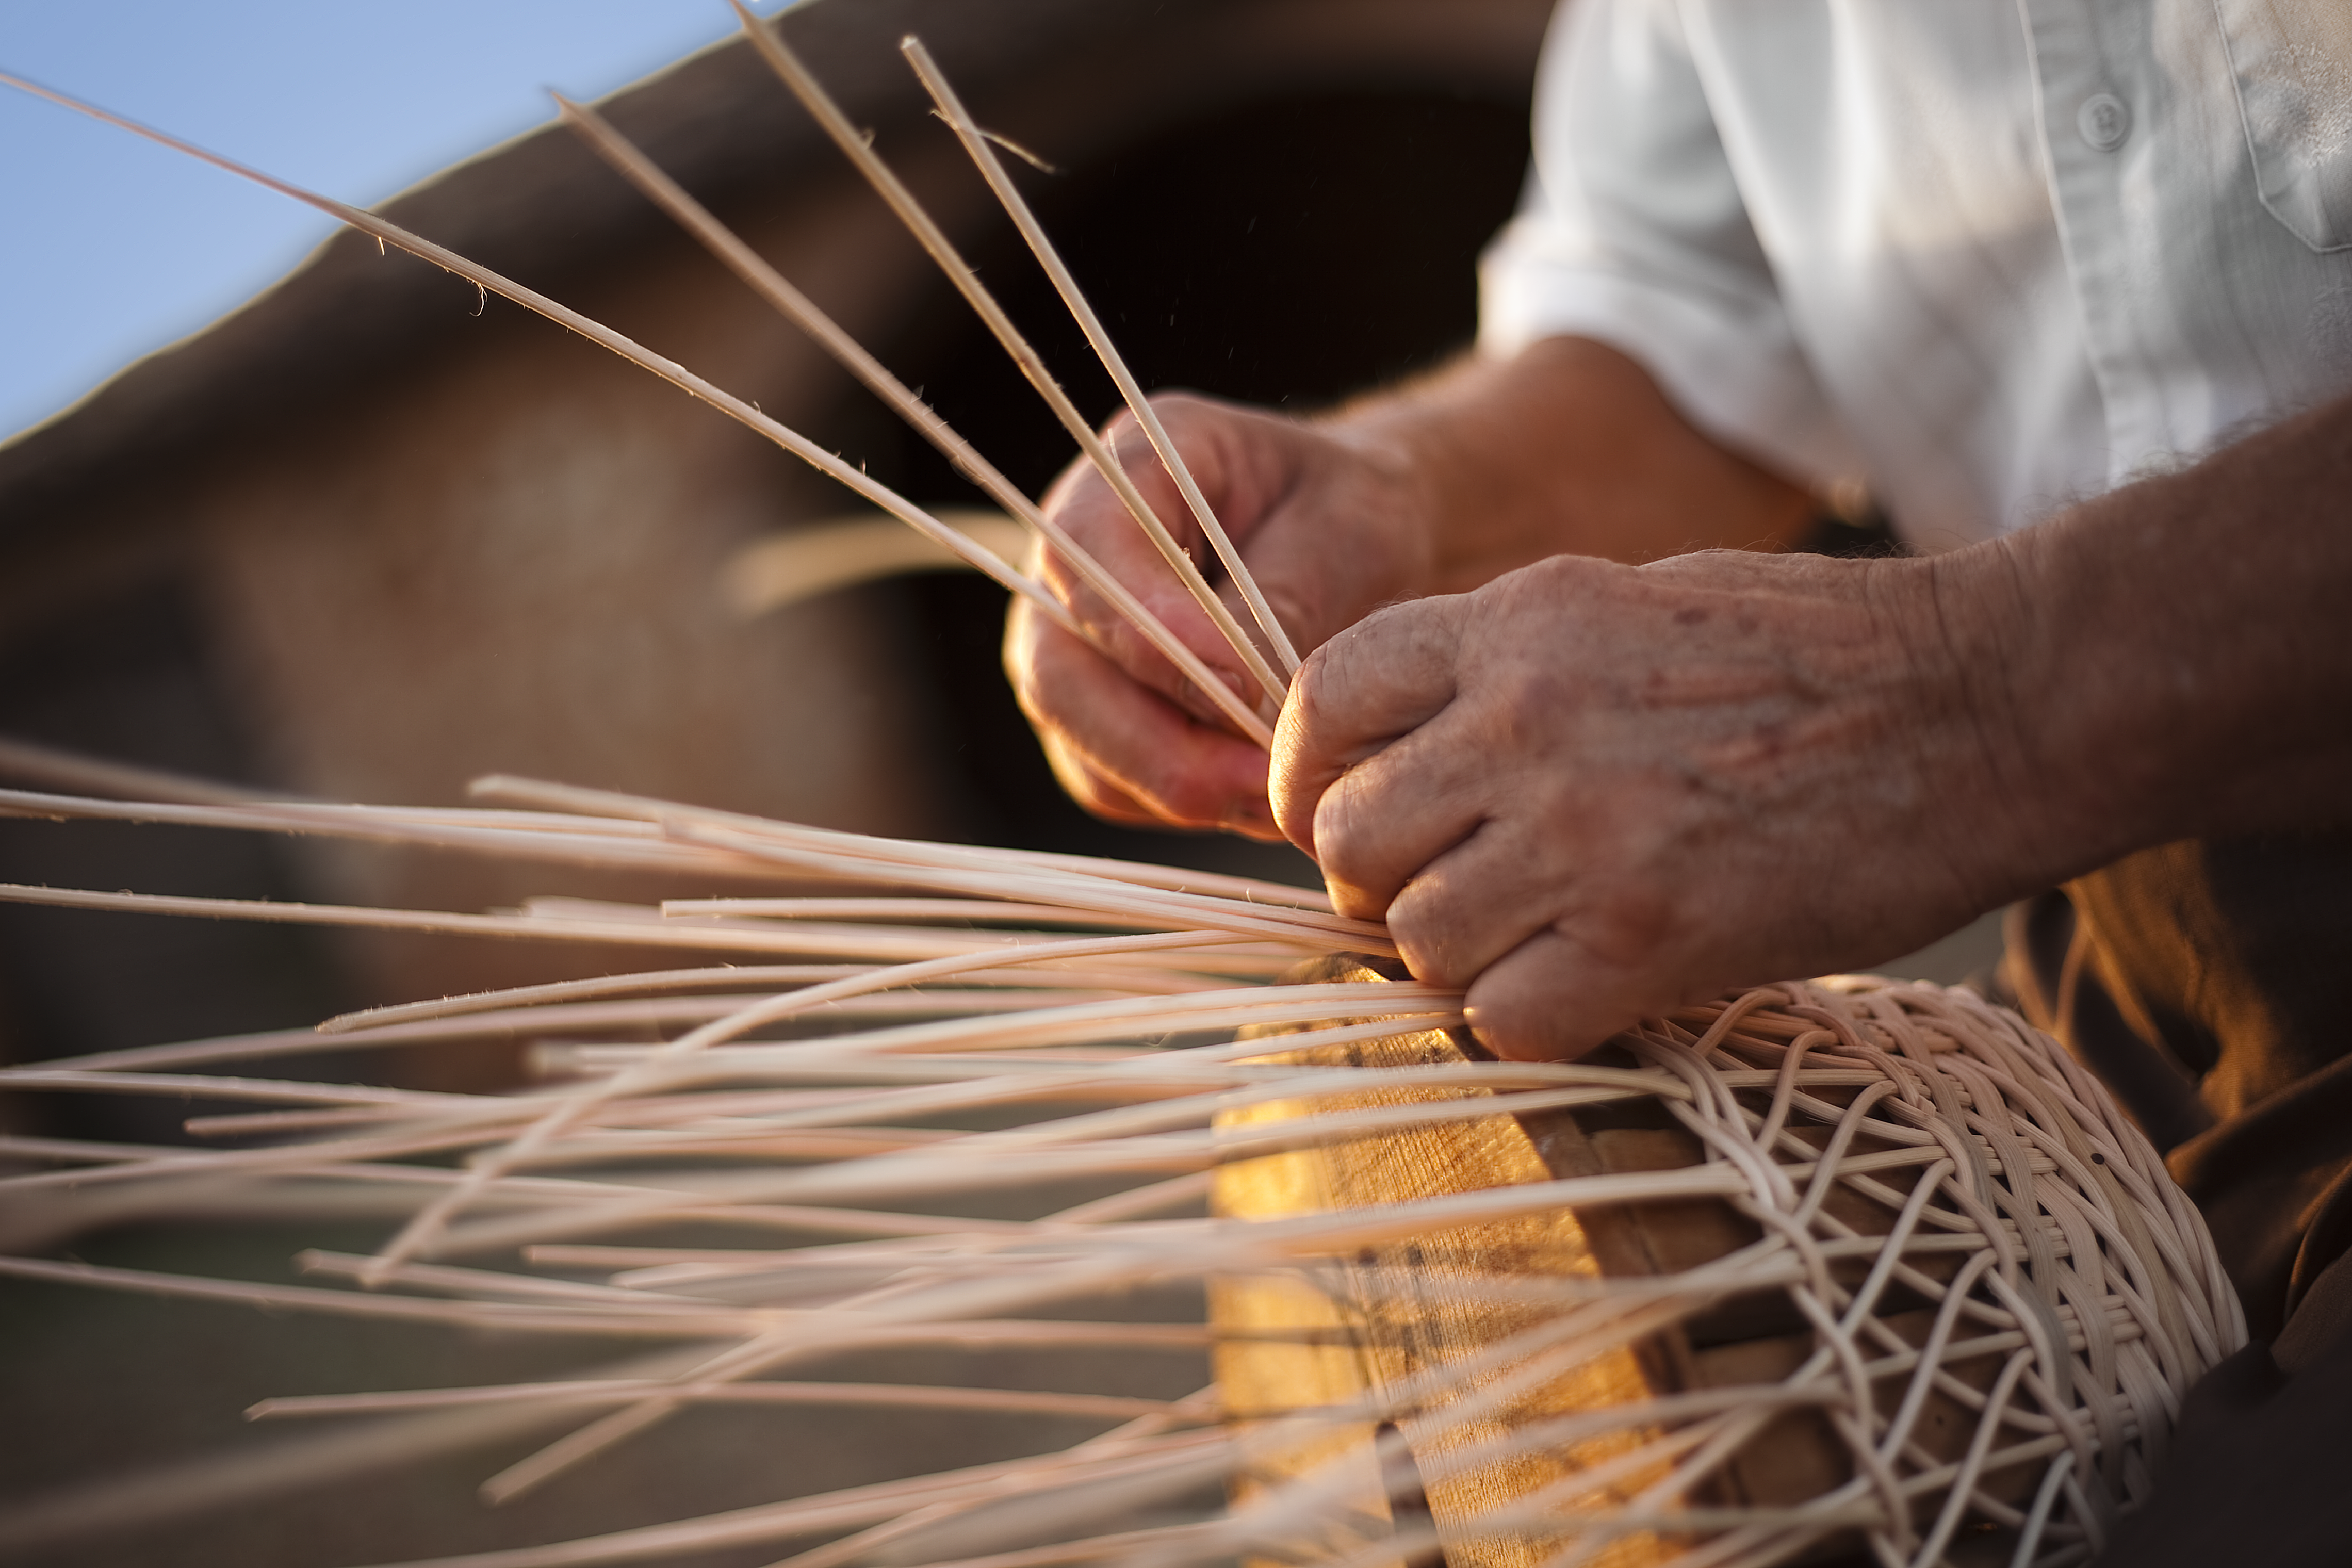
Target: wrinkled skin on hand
1589,793
1326,524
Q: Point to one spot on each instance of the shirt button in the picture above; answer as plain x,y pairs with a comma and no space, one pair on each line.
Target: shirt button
2105,121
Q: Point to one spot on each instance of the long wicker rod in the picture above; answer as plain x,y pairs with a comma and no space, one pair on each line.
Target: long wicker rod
1338,1235
631,826
723,840
614,804
1064,879
803,313
482,277
1016,206
935,242
650,982
420,1231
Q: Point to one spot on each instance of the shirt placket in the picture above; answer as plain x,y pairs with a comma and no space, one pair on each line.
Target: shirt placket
2097,102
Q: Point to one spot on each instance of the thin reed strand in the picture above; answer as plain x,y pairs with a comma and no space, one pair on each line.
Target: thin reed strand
976,142
855,145
980,558
803,313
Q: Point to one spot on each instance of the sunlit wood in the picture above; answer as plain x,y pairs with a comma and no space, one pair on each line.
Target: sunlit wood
1399,1313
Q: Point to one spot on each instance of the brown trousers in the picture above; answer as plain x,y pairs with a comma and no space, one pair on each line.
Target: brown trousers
2206,985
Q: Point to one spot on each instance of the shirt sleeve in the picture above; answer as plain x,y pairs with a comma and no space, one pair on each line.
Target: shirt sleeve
1633,232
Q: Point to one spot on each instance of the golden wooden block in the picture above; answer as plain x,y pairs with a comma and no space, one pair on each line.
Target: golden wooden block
1418,1318
1442,1337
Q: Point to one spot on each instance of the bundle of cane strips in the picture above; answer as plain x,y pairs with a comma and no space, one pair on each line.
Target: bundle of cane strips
2026,1226
1954,1219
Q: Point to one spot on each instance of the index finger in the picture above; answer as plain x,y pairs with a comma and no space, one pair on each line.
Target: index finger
1374,683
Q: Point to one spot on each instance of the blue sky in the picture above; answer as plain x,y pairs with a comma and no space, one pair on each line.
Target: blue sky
111,248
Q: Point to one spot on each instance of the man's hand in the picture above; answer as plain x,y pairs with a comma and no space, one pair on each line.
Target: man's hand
1590,793
1326,523
1435,486
1587,793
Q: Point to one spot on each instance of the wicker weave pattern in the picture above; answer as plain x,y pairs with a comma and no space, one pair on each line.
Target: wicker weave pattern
1990,1297
1942,1283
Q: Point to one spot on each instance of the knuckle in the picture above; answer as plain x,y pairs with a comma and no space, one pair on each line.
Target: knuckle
1131,444
1174,406
1293,808
1515,1026
1082,501
1413,642
1341,844
1134,656
1153,782
1035,677
1308,707
1426,933
1190,414
1621,929
1057,573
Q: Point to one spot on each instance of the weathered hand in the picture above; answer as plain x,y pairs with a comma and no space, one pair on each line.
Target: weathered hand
1589,793
1437,485
1325,523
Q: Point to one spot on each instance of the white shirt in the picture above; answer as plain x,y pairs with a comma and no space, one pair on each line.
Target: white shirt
1981,258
